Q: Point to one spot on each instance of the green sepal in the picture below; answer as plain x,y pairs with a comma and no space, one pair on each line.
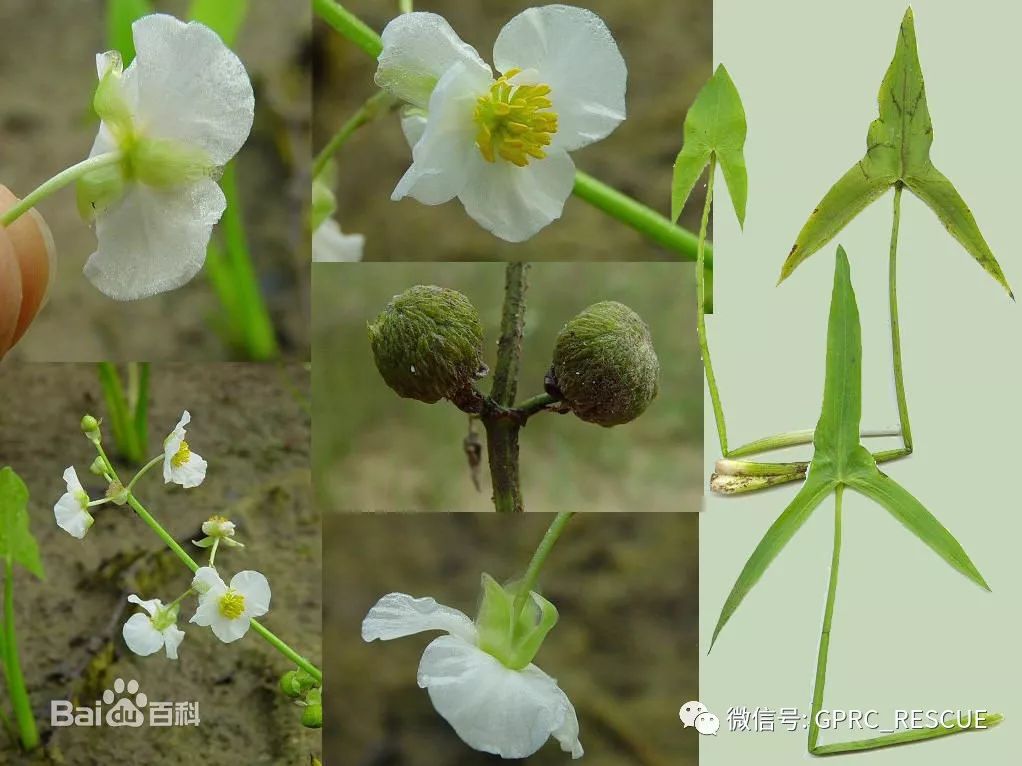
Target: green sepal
514,642
164,163
109,102
715,125
99,190
324,203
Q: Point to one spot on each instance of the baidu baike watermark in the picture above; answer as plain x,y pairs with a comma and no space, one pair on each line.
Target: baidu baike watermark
124,705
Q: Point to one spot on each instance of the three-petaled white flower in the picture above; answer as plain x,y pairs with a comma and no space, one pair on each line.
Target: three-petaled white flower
146,634
229,609
180,464
177,114
501,145
493,708
331,245
72,509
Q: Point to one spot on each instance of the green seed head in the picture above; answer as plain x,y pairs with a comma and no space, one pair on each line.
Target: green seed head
428,343
605,367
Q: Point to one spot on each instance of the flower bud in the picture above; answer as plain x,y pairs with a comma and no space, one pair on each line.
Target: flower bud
428,344
98,467
312,716
90,427
605,367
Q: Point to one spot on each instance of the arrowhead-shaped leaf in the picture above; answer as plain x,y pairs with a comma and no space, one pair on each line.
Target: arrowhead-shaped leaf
897,152
16,541
715,125
923,524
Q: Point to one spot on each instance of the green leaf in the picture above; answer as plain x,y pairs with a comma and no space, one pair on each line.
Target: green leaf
923,524
816,488
897,152
224,17
16,541
715,124
120,15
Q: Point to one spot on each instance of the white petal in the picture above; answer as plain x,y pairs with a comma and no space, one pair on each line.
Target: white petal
150,606
191,474
397,615
440,158
256,590
495,709
72,481
190,86
575,54
172,638
71,517
154,240
413,125
229,631
514,203
331,245
140,635
418,49
208,610
207,581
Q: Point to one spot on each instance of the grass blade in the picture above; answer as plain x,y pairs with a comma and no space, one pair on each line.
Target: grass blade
224,17
120,15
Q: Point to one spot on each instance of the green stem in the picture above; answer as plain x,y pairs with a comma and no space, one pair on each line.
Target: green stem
704,346
502,433
143,471
212,550
874,743
899,379
643,219
795,438
405,6
539,558
349,25
15,681
828,619
534,404
57,183
373,107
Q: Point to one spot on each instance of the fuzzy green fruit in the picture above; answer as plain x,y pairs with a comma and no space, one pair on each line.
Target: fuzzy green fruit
428,344
605,367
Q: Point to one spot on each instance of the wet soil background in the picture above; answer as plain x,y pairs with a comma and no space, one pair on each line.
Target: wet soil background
624,651
251,423
667,47
374,451
47,79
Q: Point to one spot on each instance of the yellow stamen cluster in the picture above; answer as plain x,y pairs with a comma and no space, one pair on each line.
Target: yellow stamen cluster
232,604
181,456
515,121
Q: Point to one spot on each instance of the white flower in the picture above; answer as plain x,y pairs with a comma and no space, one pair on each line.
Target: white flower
72,510
501,146
493,708
146,634
180,464
218,526
331,245
228,609
180,111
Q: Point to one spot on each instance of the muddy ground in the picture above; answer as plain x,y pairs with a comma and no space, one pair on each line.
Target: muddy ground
667,47
374,451
47,78
251,423
625,648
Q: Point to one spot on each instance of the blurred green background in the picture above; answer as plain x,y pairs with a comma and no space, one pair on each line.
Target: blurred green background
374,451
46,125
624,651
667,47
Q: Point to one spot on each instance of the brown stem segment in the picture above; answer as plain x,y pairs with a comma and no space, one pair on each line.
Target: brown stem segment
501,432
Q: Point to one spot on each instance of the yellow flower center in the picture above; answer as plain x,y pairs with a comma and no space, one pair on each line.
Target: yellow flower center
232,604
181,456
515,121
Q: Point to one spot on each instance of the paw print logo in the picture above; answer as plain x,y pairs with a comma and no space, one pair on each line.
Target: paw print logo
127,711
